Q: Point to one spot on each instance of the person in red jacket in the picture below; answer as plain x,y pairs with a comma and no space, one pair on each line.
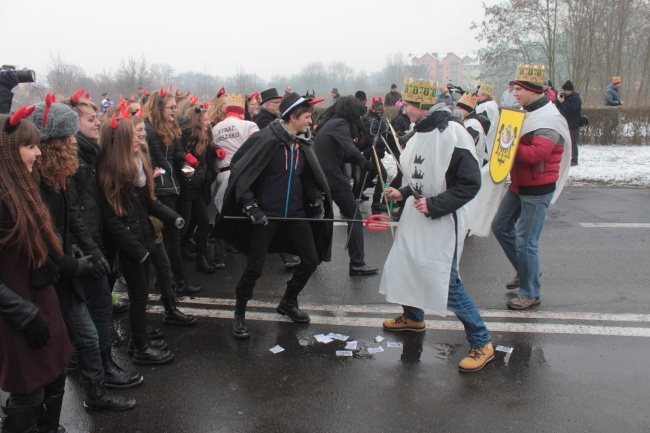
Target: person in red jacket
537,175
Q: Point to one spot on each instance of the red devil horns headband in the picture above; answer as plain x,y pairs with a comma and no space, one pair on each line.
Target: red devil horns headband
113,121
75,98
49,99
253,96
193,100
170,89
221,91
162,92
376,99
124,113
20,114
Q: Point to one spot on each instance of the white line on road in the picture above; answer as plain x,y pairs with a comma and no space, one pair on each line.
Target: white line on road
616,225
538,328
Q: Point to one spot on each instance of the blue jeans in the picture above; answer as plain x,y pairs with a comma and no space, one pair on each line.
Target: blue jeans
83,336
463,307
100,307
517,226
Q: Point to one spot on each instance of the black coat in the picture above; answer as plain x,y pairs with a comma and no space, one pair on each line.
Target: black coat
401,124
247,165
571,109
6,98
198,185
170,158
334,147
132,235
264,118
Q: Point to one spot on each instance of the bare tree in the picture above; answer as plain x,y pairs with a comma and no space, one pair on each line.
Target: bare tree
62,77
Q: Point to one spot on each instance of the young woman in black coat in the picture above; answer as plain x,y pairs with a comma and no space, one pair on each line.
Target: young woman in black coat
126,201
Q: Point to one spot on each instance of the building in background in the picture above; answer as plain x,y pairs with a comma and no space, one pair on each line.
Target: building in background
461,69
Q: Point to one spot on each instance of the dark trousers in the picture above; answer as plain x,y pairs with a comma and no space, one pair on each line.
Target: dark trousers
575,136
41,406
350,210
100,307
172,239
300,235
163,269
83,336
137,279
195,209
379,187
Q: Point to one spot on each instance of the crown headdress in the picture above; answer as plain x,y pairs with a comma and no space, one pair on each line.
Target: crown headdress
486,89
236,99
530,73
616,79
468,100
421,93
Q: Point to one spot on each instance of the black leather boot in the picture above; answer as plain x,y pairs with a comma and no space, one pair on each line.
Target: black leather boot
239,328
203,265
173,316
51,408
156,344
100,399
187,253
289,307
184,289
154,332
20,419
117,378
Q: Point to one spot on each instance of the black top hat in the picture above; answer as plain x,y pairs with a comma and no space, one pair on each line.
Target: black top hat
269,94
293,101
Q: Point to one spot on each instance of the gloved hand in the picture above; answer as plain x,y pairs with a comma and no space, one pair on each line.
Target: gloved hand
221,154
191,160
100,267
76,251
371,169
8,79
256,215
37,333
179,223
84,266
319,208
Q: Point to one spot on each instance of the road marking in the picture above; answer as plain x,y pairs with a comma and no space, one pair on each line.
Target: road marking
374,322
616,225
394,309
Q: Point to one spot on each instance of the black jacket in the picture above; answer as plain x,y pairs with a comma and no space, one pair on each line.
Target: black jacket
463,177
264,118
6,98
334,147
571,109
199,183
401,124
247,165
170,158
374,126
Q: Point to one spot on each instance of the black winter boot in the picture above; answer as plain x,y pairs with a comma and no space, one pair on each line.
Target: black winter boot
145,352
204,265
289,307
20,419
154,332
117,378
51,408
184,289
173,316
239,328
156,344
100,399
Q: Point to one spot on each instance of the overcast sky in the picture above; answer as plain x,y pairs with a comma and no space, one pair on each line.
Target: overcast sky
265,37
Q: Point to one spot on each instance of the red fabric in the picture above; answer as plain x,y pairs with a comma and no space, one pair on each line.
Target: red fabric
191,160
537,162
235,109
22,369
551,94
221,154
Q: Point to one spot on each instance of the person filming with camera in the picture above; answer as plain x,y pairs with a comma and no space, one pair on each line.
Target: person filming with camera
10,78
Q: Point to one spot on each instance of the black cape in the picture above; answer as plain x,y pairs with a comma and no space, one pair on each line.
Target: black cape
246,166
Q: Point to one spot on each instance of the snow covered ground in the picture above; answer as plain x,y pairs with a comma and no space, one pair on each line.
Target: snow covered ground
599,166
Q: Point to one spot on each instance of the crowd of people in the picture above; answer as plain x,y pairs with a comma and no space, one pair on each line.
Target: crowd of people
90,193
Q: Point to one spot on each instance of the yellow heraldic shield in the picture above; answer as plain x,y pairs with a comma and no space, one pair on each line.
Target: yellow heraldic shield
505,143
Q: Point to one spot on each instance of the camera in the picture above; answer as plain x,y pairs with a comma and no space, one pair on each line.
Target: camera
24,75
562,94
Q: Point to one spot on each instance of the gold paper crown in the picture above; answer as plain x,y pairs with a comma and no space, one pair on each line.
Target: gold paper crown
468,99
419,92
486,89
616,79
530,73
235,99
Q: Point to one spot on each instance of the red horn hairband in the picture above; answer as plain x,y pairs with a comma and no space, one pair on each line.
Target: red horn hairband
221,92
49,99
20,114
75,98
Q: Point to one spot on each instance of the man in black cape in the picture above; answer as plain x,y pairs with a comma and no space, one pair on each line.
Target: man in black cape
275,174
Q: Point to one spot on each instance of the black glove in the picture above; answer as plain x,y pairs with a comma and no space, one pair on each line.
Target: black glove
84,267
8,79
256,216
370,168
100,267
319,208
37,333
77,253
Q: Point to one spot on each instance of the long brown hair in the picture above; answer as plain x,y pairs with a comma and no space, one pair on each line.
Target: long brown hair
33,228
153,110
117,170
143,153
58,161
197,135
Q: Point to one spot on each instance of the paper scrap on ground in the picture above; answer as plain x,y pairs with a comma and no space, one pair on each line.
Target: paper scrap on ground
343,353
339,337
504,349
394,344
277,349
379,339
323,338
375,349
351,345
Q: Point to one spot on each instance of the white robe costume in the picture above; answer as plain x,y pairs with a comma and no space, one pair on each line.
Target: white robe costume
418,266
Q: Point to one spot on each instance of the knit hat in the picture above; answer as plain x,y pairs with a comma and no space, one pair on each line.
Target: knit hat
393,86
54,120
269,94
530,77
568,85
335,90
293,101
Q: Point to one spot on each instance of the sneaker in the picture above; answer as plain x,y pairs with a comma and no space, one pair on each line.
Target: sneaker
521,303
513,284
403,323
477,358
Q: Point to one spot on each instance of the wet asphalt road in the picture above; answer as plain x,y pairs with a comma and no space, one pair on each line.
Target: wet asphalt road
579,360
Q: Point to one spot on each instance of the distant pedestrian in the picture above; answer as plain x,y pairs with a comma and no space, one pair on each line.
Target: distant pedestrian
570,105
613,93
106,103
508,99
335,95
392,97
